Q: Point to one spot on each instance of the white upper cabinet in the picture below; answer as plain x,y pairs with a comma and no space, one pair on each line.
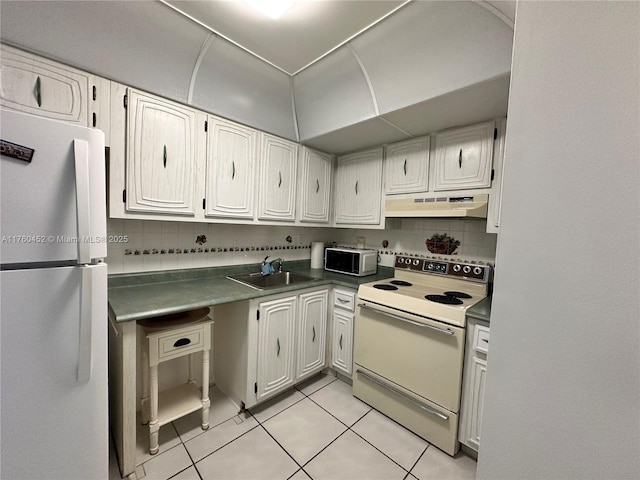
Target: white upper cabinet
161,160
358,192
277,185
41,87
231,162
314,186
495,197
407,166
463,157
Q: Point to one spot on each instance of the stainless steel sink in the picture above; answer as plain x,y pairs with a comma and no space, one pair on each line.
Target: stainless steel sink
262,282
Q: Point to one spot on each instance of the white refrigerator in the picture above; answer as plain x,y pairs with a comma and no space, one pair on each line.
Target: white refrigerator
53,300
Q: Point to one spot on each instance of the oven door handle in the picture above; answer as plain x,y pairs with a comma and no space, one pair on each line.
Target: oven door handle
402,319
403,395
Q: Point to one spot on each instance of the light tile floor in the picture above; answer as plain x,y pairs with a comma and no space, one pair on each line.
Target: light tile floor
318,431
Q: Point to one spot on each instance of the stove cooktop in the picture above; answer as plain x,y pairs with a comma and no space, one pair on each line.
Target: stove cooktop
439,295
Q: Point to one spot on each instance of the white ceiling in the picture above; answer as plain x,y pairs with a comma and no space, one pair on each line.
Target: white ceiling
307,31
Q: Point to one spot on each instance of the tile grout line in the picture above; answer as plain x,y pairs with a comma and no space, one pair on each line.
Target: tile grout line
283,449
221,447
367,441
300,467
193,464
323,449
419,457
360,436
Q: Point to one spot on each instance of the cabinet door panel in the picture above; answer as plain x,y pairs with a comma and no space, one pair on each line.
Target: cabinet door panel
312,327
276,349
278,167
342,342
160,156
464,158
231,157
359,188
41,87
478,379
315,191
407,166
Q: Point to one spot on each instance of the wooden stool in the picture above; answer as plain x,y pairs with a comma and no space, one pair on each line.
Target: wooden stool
168,337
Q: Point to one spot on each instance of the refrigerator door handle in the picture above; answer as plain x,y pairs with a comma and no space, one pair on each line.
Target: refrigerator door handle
83,200
86,319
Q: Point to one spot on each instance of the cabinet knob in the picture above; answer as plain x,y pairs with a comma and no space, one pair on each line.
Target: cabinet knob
460,159
317,185
233,170
164,157
405,166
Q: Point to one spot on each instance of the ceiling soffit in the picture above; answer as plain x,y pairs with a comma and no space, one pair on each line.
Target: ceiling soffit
308,31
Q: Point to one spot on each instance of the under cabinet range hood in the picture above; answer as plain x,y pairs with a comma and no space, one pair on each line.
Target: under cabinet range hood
472,206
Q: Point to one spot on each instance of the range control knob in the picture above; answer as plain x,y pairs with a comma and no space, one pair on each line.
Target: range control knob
466,269
400,260
416,262
430,266
456,268
477,270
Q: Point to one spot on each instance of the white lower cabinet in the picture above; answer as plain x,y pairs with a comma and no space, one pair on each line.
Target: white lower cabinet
264,346
473,384
342,318
312,328
276,349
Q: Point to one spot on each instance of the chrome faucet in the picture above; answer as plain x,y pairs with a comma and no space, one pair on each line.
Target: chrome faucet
279,261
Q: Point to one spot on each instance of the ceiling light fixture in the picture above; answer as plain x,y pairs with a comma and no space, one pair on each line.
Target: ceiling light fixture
271,8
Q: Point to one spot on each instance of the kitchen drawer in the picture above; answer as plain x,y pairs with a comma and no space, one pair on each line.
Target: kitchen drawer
178,342
481,339
344,299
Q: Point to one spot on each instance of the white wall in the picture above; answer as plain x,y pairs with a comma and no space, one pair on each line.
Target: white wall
563,388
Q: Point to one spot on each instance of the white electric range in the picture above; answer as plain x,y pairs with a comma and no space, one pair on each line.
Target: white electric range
409,342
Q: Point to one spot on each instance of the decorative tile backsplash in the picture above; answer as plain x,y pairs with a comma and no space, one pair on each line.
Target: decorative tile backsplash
158,245
409,236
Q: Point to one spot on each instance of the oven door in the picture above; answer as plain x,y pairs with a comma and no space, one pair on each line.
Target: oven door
416,353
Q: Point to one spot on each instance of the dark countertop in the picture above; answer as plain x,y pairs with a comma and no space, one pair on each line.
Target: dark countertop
481,310
144,295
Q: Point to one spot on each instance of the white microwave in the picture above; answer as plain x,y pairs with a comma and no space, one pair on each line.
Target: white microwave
351,261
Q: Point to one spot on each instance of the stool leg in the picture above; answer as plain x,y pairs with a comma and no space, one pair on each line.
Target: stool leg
144,403
153,421
206,403
192,369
